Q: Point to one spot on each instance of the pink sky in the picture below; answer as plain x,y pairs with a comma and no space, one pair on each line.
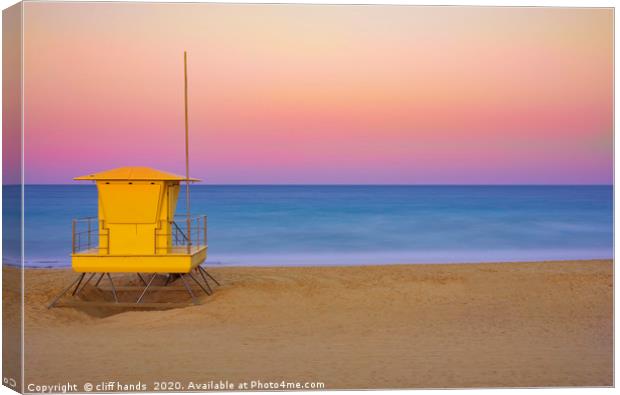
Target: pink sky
320,94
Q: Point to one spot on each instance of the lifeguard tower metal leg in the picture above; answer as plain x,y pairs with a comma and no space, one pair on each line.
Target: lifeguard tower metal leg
141,291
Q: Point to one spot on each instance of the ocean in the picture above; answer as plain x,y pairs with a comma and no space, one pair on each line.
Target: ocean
351,224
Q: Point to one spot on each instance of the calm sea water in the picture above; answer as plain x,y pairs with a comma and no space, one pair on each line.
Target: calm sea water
323,225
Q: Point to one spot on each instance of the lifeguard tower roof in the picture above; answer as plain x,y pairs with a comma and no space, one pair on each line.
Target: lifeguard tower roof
134,173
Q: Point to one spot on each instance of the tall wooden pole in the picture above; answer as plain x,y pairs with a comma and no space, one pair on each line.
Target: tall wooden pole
189,224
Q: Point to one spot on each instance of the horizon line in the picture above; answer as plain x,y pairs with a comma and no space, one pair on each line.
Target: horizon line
334,184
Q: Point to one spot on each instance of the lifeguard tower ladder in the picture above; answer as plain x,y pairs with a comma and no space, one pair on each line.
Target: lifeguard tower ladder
136,231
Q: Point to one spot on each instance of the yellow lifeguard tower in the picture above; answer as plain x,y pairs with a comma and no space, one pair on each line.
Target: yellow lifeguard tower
136,231
136,226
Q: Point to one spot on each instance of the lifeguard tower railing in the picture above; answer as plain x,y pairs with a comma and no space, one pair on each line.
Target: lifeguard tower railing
85,235
196,237
90,236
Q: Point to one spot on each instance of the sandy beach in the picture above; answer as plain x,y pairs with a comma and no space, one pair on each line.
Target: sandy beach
396,326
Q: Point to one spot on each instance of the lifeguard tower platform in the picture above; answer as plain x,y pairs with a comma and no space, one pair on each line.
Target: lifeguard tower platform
136,231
